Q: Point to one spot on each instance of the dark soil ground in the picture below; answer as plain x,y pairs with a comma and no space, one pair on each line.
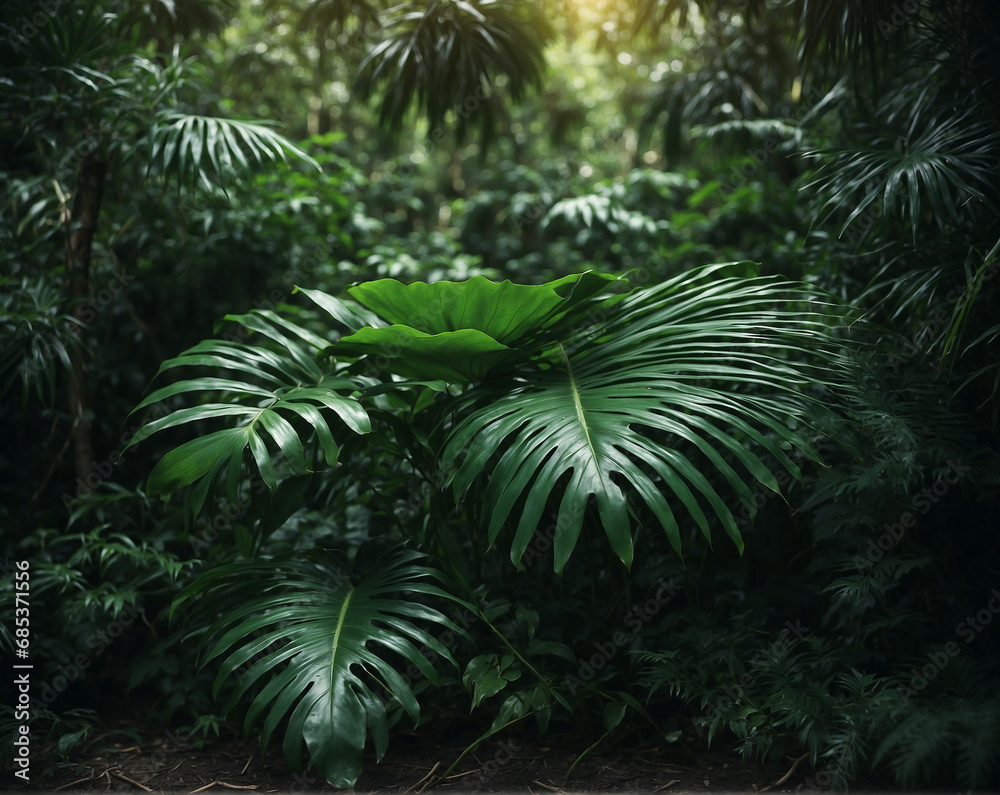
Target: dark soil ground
169,763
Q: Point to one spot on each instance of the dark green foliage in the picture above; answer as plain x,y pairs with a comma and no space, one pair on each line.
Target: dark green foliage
619,404
329,631
454,57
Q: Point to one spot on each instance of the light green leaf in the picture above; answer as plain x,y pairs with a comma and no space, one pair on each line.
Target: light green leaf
454,356
505,311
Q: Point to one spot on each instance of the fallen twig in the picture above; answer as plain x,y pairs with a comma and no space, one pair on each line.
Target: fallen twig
425,778
668,785
460,775
787,775
133,782
546,786
72,783
244,770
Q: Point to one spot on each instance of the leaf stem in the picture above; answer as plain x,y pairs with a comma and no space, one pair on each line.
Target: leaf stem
552,693
478,742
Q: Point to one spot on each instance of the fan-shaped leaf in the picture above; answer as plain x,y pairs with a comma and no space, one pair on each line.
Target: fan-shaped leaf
691,368
195,147
330,674
287,384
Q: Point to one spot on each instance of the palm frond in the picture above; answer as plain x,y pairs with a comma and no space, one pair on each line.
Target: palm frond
451,55
193,148
38,338
274,389
945,161
323,16
692,364
859,31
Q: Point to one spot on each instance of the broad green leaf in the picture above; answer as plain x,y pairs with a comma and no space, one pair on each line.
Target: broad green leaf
505,311
693,375
183,465
613,714
488,674
330,675
453,356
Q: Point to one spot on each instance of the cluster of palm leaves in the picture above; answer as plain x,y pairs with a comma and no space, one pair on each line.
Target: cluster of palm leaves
463,56
581,398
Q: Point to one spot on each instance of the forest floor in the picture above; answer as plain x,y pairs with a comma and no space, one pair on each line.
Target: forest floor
418,764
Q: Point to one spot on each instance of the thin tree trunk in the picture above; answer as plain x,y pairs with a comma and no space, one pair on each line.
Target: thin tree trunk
83,223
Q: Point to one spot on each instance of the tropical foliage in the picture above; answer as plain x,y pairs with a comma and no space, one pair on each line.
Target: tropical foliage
615,370
625,399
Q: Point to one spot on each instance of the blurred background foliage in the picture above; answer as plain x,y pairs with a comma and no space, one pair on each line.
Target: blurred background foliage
851,145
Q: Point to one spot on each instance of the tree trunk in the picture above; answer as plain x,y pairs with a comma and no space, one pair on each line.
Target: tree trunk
83,223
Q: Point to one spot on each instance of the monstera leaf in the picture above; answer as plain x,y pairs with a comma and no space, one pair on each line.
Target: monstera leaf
700,365
324,641
567,392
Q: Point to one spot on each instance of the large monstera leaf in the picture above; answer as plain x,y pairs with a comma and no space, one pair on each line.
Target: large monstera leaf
323,640
675,397
680,376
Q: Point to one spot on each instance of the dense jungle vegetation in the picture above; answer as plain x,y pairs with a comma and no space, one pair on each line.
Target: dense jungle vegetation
608,368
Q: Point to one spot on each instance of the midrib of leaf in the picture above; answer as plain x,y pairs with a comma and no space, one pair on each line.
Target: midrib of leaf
270,406
340,626
579,409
